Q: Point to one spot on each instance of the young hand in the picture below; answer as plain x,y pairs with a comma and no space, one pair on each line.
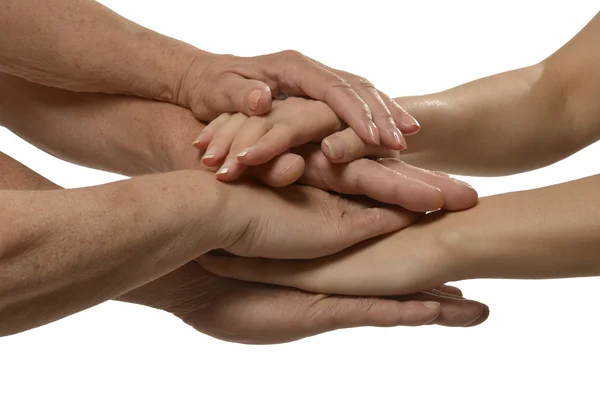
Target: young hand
235,141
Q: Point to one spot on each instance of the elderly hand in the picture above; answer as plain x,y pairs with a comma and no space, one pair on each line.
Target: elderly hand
252,313
216,84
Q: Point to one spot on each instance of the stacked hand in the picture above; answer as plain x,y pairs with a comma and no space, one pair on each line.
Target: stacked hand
254,313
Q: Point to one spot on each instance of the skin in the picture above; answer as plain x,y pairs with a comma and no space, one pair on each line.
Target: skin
538,115
100,51
226,309
132,136
98,242
139,137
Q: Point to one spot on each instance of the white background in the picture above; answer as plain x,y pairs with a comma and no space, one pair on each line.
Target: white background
542,337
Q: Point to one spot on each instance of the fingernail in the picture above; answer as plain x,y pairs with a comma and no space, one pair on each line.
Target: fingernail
207,157
431,304
243,153
222,171
335,147
411,125
399,138
289,167
476,318
253,99
373,132
462,183
197,140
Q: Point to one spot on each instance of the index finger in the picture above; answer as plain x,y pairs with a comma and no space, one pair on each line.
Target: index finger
370,178
298,74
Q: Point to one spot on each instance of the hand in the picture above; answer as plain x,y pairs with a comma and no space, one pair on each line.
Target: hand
421,256
236,140
251,313
217,84
300,222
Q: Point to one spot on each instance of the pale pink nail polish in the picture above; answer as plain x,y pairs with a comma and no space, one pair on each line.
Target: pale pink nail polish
399,138
253,99
373,132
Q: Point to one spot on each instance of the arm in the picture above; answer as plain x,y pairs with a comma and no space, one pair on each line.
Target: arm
81,247
92,244
80,45
83,46
504,236
133,136
235,310
538,115
511,122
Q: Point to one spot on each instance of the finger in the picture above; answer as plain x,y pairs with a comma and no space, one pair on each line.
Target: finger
345,146
457,195
318,123
483,317
405,121
337,312
221,142
449,289
235,93
297,74
418,309
248,134
208,133
281,171
391,136
276,141
367,177
454,312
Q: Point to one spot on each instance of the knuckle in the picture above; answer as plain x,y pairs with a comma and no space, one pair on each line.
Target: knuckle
440,174
282,129
292,54
374,217
364,84
360,175
259,122
393,163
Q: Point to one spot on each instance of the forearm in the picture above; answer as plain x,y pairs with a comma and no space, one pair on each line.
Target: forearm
65,250
551,232
515,121
122,134
498,125
81,45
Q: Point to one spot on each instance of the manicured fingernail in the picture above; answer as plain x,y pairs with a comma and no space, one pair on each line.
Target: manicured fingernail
410,124
399,138
462,183
431,304
197,140
222,171
243,153
335,147
207,157
373,132
253,99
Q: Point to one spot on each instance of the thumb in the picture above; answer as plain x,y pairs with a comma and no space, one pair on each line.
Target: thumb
281,171
234,93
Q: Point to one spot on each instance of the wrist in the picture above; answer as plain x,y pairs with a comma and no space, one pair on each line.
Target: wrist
205,210
191,69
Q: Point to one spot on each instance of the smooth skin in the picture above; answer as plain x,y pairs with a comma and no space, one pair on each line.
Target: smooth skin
80,45
538,115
